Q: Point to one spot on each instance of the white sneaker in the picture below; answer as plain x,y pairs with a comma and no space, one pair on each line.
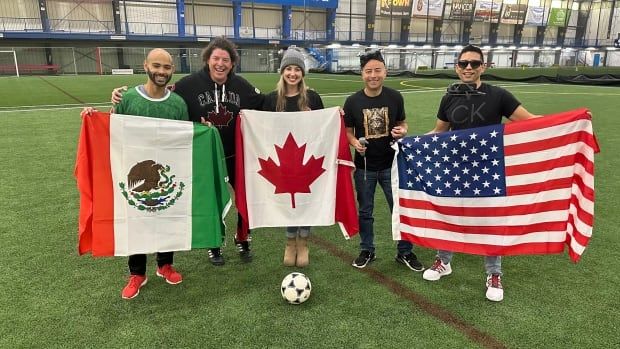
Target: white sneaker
495,291
437,270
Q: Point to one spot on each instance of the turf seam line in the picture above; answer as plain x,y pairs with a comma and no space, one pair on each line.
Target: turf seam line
61,90
481,338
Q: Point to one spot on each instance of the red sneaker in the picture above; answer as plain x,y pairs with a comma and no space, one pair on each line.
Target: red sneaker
133,286
170,274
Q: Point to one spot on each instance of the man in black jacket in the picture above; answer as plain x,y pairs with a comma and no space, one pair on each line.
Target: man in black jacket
216,94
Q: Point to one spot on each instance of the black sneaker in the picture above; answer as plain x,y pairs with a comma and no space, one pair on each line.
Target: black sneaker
244,251
215,256
363,259
410,260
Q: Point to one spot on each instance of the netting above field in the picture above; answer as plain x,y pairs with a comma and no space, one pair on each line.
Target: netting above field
8,63
530,65
38,61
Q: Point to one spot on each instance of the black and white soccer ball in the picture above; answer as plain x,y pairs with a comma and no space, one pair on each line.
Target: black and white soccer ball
296,288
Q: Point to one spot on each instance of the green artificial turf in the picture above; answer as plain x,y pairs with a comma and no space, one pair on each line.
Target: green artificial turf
51,297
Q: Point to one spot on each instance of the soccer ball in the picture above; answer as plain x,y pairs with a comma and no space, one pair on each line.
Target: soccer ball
296,288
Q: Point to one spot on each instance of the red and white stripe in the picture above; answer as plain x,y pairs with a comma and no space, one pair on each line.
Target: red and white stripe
549,203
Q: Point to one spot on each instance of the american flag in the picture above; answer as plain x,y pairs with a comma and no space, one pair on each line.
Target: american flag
518,188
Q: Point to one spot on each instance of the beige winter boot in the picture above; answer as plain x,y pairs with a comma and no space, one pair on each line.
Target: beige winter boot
303,258
290,252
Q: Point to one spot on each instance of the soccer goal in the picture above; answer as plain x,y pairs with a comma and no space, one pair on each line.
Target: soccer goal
8,63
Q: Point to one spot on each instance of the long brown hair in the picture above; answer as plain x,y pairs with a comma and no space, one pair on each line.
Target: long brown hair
302,102
223,44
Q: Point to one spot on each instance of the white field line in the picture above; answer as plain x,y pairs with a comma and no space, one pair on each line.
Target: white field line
47,107
415,90
346,94
571,93
55,105
50,107
327,95
360,79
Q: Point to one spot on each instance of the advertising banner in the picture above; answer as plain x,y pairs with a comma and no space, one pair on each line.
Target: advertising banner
396,8
461,9
487,11
427,8
558,17
535,15
513,13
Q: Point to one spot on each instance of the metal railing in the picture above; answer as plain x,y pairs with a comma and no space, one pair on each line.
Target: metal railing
420,37
20,24
170,29
209,30
528,41
345,35
81,26
91,60
141,28
313,35
450,38
260,33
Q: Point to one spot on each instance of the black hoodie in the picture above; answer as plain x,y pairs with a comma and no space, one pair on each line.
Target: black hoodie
219,104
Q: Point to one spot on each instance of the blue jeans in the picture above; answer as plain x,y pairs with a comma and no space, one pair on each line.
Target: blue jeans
293,232
365,188
492,264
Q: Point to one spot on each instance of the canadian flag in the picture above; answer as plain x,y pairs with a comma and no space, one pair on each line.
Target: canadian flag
294,169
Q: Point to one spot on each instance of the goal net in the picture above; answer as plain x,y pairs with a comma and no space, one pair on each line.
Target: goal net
8,63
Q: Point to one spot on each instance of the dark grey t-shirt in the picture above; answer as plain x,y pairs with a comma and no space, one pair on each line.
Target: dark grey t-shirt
470,111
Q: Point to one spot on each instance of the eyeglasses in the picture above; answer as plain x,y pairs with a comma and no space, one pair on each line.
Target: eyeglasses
464,64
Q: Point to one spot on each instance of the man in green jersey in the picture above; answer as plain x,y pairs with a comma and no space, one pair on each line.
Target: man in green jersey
152,99
155,100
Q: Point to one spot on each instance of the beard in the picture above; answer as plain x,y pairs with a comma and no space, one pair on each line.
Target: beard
153,77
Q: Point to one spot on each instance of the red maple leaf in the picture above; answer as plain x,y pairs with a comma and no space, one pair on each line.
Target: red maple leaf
222,118
292,176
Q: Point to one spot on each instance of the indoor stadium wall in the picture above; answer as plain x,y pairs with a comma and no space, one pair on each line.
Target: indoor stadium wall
209,18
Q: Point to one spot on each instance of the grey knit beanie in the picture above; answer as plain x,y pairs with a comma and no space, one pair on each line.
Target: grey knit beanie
293,57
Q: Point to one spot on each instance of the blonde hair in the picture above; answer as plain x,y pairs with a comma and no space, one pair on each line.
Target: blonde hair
302,102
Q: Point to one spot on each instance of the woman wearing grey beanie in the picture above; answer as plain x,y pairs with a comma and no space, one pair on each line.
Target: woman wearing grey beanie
292,94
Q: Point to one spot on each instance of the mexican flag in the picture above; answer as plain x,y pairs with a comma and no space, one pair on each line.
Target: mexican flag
294,169
149,185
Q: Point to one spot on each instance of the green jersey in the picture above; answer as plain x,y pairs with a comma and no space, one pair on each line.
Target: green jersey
137,102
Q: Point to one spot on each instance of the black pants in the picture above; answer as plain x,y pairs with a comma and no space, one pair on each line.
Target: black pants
137,262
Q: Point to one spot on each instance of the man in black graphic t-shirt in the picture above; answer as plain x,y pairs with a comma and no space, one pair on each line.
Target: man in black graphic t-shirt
374,117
